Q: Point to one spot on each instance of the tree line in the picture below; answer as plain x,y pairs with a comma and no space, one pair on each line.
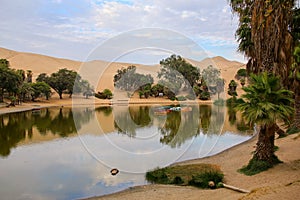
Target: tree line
18,86
176,75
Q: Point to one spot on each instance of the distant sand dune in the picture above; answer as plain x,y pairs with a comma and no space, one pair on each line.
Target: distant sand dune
100,73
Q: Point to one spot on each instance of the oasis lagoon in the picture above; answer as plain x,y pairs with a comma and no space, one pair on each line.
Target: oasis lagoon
67,153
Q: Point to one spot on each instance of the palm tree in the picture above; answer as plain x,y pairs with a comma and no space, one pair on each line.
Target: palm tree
265,103
264,35
268,33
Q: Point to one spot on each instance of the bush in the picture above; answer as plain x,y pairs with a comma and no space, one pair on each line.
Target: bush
201,180
158,176
197,175
204,95
241,73
105,94
256,166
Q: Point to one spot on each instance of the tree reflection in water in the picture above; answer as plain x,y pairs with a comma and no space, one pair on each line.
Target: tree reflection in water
175,128
14,127
178,127
128,119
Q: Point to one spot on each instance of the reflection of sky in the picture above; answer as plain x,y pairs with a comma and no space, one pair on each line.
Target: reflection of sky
65,169
59,169
62,169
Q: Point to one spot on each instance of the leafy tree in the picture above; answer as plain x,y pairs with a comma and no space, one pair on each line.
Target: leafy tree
243,81
21,73
25,91
10,80
40,88
42,77
29,76
232,88
265,103
241,73
4,63
264,35
211,75
87,89
268,34
176,70
62,81
295,77
156,89
127,79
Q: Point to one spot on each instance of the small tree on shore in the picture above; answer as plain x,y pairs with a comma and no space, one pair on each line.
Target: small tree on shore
265,103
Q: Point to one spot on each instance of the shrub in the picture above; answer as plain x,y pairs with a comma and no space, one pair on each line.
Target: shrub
106,94
201,180
197,175
204,95
256,166
241,73
158,176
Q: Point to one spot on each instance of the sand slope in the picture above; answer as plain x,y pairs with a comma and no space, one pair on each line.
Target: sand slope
100,73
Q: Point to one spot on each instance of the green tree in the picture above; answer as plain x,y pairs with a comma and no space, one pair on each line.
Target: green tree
127,79
40,88
29,76
265,103
25,91
232,88
295,77
177,71
42,77
211,75
63,81
268,34
10,80
156,89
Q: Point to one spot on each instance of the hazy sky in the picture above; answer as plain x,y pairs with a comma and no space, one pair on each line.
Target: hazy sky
75,28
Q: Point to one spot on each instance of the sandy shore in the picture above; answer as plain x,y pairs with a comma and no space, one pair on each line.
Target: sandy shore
280,182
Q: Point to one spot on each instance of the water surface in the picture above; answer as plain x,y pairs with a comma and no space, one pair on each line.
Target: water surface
65,153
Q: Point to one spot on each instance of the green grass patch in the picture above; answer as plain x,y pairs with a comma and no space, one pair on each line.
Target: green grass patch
197,175
256,166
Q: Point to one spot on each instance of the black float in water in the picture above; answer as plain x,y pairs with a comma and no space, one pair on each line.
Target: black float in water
114,171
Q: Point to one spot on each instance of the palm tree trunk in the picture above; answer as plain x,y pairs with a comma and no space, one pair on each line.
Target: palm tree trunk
265,145
296,122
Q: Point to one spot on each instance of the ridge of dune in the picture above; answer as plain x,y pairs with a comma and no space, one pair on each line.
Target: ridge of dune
102,72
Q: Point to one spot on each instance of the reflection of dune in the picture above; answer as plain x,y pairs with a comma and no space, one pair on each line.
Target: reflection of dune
105,120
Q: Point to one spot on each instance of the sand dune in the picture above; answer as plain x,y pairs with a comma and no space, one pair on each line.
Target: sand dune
100,73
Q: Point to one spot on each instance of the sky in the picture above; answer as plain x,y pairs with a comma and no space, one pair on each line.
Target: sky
96,29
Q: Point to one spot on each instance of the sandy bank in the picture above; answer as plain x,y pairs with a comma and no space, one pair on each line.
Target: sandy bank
280,182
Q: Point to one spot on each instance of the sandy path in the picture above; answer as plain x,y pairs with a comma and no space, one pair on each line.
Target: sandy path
280,182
